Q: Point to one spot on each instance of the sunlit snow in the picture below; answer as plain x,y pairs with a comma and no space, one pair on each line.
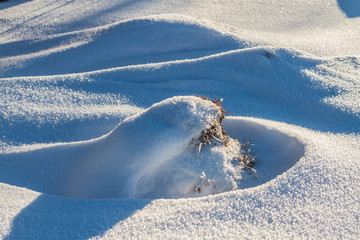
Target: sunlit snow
100,119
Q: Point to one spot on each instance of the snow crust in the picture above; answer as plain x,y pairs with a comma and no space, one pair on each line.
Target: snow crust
71,71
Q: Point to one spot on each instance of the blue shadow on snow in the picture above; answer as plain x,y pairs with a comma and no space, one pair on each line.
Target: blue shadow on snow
350,7
52,217
10,3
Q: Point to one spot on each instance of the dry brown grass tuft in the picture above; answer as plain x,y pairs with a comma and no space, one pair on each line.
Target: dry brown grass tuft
216,135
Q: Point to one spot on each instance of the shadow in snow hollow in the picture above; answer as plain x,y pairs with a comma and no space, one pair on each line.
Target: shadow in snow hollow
52,217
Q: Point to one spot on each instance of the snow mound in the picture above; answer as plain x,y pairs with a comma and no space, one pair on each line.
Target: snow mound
176,148
152,154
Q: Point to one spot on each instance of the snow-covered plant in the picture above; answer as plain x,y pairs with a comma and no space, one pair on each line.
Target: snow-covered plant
222,160
216,135
212,162
176,148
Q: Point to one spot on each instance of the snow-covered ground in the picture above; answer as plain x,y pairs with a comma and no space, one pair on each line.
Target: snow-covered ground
93,143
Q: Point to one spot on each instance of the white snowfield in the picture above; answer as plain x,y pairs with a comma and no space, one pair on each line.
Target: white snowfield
99,123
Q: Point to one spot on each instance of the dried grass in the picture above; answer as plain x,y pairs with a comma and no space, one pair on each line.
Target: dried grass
216,135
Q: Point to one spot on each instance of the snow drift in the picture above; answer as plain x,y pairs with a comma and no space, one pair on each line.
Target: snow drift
130,42
176,148
148,156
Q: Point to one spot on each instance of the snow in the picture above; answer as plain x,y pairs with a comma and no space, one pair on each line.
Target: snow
85,85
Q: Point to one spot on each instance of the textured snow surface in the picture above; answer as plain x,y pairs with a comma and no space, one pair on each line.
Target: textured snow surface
76,75
153,154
